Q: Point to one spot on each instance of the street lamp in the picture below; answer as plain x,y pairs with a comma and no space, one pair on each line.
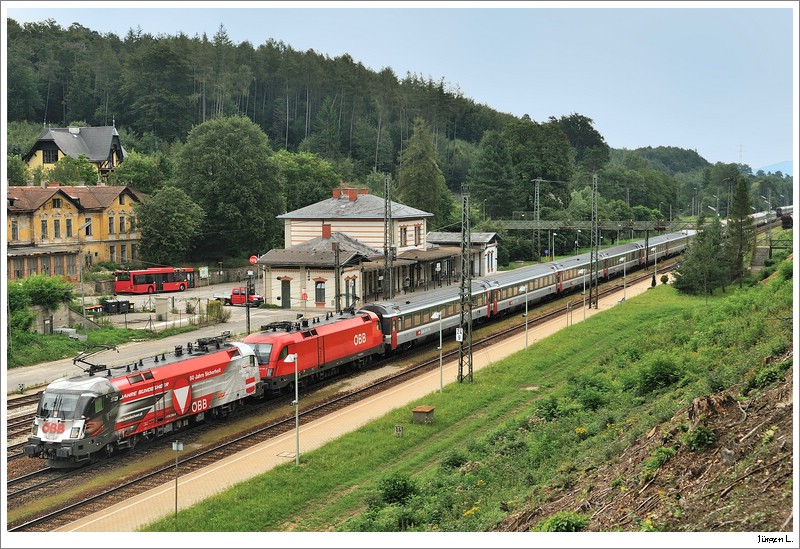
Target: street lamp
525,289
583,272
712,208
437,315
292,357
655,268
81,259
577,237
624,279
553,245
177,446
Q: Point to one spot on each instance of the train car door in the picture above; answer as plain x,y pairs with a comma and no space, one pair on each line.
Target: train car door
494,296
605,268
559,281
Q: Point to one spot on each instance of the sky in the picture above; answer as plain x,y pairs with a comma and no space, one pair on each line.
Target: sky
718,80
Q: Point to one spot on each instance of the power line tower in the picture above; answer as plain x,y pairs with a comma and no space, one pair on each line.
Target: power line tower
465,341
387,241
594,262
537,218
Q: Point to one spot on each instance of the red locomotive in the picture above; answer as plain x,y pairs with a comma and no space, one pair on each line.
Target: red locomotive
322,347
85,417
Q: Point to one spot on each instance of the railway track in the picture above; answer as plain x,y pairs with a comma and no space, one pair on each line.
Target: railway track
191,461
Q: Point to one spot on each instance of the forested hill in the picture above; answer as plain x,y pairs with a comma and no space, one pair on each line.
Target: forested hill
163,85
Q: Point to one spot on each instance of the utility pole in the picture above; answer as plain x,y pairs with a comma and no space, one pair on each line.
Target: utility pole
594,263
387,241
465,343
337,273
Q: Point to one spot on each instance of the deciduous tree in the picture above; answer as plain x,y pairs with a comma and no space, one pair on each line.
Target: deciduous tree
226,168
169,222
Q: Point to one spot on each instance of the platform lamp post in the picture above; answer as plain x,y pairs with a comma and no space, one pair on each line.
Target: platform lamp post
553,246
577,238
437,315
177,447
525,289
624,279
81,260
292,357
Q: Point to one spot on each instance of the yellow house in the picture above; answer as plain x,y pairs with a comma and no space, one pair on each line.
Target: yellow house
50,228
100,145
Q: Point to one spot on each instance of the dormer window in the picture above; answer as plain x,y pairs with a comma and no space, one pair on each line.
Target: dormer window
122,200
49,156
56,203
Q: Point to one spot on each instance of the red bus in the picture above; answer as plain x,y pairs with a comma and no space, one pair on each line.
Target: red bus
153,280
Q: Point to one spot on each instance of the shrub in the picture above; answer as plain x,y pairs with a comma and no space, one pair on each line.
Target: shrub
547,408
699,438
454,459
657,371
396,488
658,458
216,312
563,521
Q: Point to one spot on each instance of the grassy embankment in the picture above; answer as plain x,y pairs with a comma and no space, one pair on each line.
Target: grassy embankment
526,427
27,348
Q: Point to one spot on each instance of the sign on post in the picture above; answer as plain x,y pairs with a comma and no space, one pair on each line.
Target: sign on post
459,334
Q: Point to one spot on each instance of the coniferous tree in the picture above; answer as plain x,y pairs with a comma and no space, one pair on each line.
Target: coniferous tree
490,174
741,231
705,266
420,182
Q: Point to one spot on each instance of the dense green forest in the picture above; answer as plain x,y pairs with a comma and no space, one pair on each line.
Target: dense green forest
315,122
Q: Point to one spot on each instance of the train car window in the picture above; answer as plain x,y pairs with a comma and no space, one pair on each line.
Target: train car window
136,378
284,353
98,405
426,316
147,375
415,320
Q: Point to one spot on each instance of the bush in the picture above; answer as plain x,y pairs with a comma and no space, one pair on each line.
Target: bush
216,312
396,488
563,521
658,458
657,371
547,408
454,459
699,438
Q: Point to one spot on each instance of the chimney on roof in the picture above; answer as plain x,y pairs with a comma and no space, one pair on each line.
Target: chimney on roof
352,194
326,230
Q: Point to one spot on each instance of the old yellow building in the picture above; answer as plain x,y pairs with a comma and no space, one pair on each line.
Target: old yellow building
51,228
100,145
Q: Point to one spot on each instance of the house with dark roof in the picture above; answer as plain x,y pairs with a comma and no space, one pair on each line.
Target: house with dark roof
100,145
334,253
50,228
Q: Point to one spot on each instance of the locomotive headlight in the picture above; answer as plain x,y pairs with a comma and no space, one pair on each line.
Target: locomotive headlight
34,430
75,432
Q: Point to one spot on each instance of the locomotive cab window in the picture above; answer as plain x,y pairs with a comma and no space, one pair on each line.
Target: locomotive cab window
263,350
61,405
284,353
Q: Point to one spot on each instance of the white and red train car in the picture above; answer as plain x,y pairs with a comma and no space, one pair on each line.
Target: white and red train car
322,347
83,417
